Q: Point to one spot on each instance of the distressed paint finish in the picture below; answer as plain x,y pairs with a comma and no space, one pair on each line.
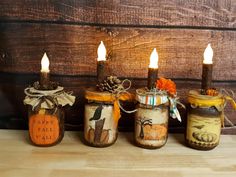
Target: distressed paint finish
151,126
106,125
70,31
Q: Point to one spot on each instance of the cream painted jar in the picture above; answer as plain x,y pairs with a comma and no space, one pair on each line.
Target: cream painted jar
151,121
100,122
100,129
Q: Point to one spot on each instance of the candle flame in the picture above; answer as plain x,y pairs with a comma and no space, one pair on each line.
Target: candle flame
154,59
101,52
45,63
208,55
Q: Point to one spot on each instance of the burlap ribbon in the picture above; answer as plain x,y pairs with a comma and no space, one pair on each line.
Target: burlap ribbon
110,97
47,99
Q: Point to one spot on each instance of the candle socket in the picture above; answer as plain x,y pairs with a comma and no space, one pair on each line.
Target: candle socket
44,81
206,77
152,77
100,71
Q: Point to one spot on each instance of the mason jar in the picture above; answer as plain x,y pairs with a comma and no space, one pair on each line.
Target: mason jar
100,127
204,120
46,126
151,125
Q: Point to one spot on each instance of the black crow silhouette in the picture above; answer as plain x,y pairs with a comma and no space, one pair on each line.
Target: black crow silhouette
199,126
97,114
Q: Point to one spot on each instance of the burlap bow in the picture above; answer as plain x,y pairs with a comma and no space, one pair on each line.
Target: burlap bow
48,99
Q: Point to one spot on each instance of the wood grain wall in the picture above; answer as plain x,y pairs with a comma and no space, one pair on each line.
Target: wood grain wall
70,31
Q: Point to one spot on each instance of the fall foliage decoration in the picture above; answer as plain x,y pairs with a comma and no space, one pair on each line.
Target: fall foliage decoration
166,85
212,92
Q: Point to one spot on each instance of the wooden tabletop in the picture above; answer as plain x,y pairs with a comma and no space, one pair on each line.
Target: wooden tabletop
71,158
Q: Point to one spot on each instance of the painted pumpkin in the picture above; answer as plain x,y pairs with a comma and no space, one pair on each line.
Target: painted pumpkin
155,132
44,129
104,136
205,137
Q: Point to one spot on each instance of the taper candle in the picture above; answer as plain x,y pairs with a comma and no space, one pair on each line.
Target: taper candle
44,73
101,60
153,69
207,68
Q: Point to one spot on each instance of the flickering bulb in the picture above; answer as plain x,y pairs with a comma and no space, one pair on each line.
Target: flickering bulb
208,55
154,59
45,63
101,52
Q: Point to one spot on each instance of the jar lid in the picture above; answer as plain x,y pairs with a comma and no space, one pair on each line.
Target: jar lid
146,97
195,98
93,95
48,99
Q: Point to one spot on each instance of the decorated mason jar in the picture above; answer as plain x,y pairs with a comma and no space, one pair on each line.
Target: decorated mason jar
46,115
151,121
204,121
102,113
151,118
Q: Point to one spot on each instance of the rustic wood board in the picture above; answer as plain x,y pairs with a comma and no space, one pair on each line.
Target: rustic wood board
72,50
72,158
194,13
13,113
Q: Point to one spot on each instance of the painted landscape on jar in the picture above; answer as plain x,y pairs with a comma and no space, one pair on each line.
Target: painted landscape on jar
150,131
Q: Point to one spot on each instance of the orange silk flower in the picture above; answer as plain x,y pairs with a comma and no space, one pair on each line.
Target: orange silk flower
166,84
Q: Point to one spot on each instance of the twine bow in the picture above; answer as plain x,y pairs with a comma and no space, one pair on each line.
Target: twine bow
120,94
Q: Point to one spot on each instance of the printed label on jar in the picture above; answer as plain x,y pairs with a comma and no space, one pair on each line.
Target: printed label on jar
202,130
44,129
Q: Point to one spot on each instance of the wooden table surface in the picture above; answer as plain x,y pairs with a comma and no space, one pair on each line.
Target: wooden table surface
71,158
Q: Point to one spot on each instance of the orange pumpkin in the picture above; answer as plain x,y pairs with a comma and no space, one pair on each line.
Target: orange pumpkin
44,129
104,136
155,132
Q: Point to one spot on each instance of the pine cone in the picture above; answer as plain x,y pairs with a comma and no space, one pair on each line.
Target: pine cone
110,84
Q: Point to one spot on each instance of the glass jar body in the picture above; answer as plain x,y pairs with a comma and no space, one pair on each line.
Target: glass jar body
203,127
100,128
46,126
151,126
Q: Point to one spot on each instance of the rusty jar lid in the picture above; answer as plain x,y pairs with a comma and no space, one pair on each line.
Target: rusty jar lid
196,99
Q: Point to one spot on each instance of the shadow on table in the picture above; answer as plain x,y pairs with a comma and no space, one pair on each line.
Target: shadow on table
179,138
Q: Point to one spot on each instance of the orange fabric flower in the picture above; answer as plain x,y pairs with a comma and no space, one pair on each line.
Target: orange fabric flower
166,84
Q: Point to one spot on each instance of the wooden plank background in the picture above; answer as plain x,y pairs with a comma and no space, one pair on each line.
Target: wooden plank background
70,31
